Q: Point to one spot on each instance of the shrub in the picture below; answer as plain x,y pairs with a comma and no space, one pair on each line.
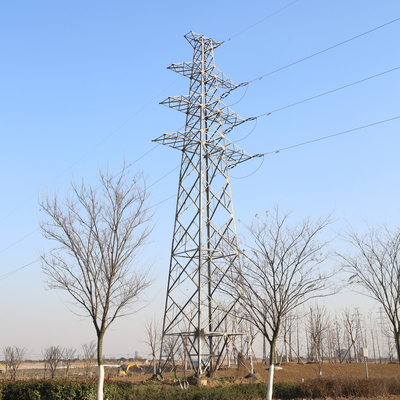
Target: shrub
286,390
349,387
119,390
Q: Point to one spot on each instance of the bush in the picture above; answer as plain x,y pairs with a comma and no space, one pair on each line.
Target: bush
119,390
286,390
349,387
48,389
86,390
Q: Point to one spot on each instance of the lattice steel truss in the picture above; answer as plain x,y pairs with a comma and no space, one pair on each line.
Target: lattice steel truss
199,316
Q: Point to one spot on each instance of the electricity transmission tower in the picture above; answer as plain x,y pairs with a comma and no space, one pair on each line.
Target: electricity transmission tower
199,317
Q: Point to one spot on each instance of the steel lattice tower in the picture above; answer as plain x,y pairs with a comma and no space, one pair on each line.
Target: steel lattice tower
205,252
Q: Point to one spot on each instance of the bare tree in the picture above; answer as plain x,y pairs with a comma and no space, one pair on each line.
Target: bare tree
374,266
99,234
7,356
281,271
350,329
330,336
13,357
89,354
45,364
53,356
152,331
68,358
338,340
317,326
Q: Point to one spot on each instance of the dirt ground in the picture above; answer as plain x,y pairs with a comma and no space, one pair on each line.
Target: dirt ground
287,372
292,372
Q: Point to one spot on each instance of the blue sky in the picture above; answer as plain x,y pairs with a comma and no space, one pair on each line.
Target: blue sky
81,83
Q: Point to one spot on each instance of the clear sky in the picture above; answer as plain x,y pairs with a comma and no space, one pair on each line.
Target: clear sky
80,86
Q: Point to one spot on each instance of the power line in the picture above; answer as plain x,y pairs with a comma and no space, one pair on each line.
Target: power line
124,123
8,274
129,165
12,272
325,137
247,176
163,201
35,230
19,240
255,156
115,130
248,119
164,176
262,155
308,99
37,259
222,96
330,91
91,150
327,49
261,20
241,85
308,57
154,183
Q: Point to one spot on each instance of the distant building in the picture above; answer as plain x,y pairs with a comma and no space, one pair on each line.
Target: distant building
137,354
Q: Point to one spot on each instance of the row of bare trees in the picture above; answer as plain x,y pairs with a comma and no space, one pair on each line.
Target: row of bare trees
53,358
315,334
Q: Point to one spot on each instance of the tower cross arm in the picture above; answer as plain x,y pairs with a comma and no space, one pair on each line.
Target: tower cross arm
188,141
186,104
178,140
194,70
222,80
225,114
234,153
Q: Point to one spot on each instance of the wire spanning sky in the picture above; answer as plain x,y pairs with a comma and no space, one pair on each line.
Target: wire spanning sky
81,83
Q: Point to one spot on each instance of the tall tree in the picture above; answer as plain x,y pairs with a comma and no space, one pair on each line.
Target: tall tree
99,233
374,265
282,270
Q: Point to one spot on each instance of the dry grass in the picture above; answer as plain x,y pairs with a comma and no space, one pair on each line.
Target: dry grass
290,372
293,372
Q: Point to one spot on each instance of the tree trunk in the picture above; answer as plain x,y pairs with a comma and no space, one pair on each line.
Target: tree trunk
264,359
271,368
397,339
100,383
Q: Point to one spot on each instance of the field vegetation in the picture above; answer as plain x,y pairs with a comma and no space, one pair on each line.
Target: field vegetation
292,380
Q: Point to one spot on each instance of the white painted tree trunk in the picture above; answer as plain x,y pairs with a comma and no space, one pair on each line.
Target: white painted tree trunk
270,381
100,383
